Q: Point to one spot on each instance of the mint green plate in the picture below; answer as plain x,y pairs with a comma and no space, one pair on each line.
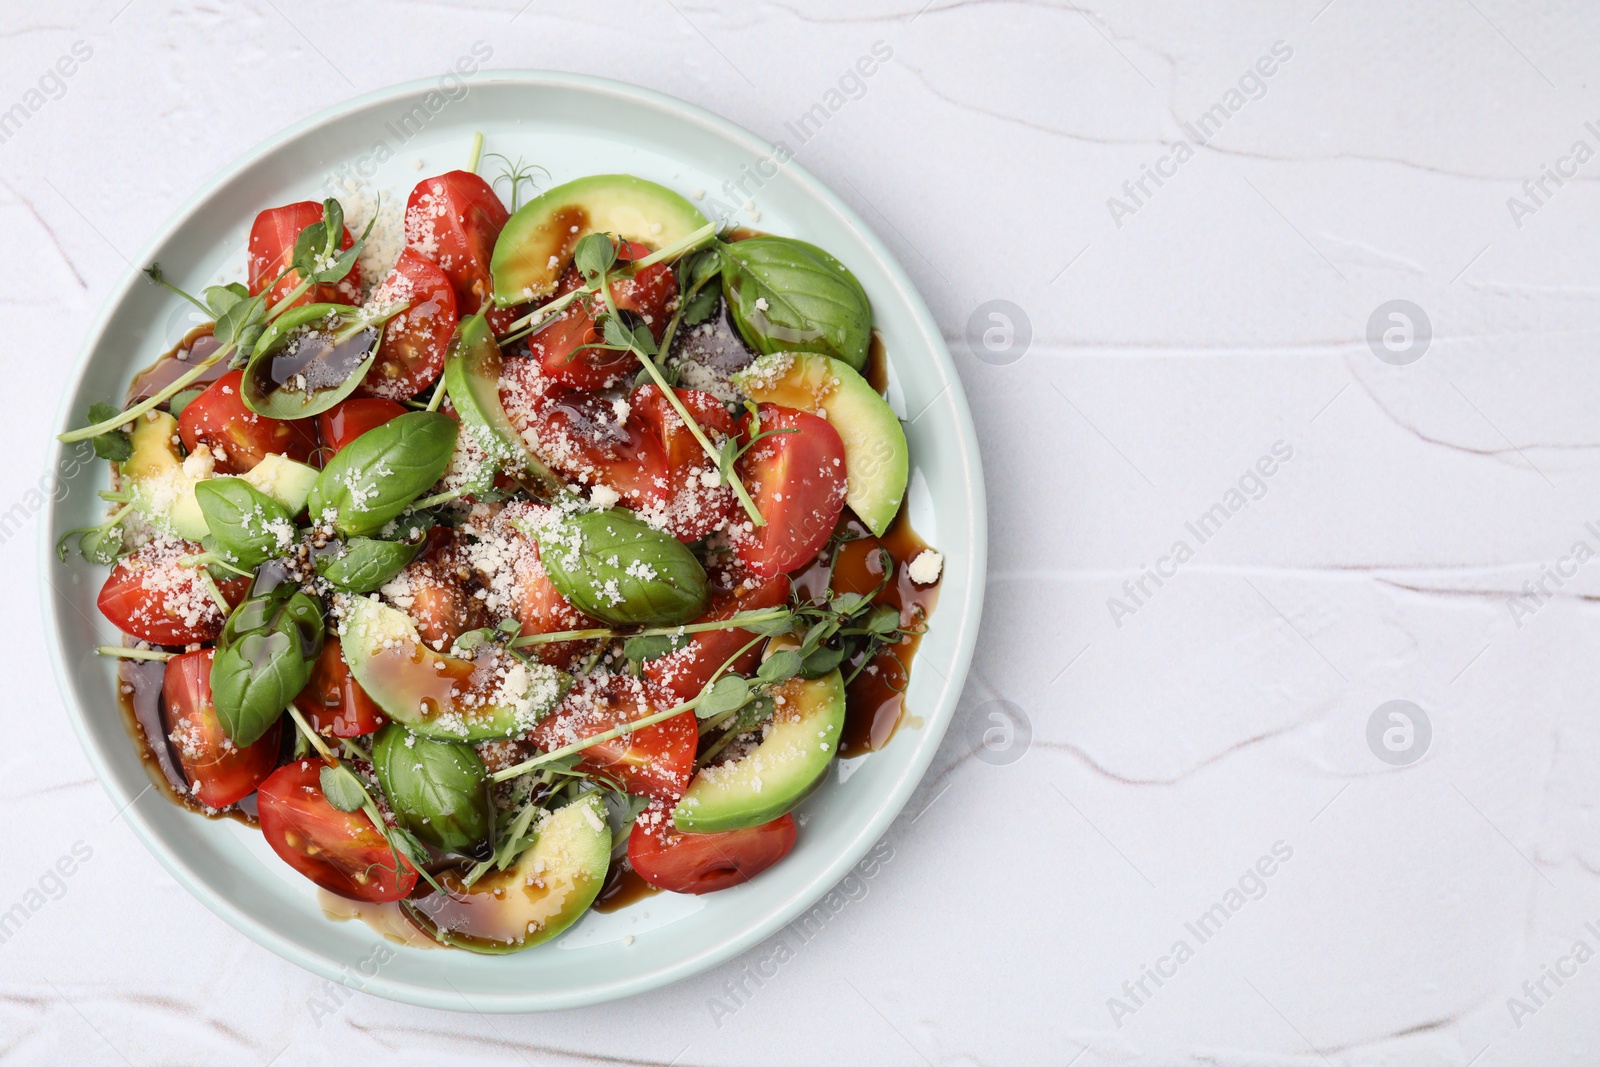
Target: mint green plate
572,126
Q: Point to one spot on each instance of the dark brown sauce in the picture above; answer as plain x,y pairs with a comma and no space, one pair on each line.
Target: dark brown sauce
877,370
623,887
743,233
875,699
139,697
196,345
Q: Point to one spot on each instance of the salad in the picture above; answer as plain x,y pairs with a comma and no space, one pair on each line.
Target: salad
500,553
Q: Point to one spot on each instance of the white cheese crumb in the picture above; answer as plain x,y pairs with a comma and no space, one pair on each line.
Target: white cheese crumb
925,569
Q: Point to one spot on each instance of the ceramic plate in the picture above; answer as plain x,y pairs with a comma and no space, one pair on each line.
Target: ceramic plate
571,126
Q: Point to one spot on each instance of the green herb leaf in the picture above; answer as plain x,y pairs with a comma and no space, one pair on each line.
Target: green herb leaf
824,660
247,527
786,296
310,358
114,445
643,649
182,400
780,666
375,478
342,788
264,659
615,568
366,564
594,255
439,790
882,620
729,692
700,306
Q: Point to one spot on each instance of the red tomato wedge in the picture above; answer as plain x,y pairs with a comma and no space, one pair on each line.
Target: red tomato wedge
698,504
559,347
272,239
705,863
237,437
539,605
437,590
411,354
679,676
343,852
333,701
797,480
218,772
349,419
655,761
583,439
150,595
453,221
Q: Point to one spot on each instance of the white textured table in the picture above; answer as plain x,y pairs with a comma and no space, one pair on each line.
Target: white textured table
1099,879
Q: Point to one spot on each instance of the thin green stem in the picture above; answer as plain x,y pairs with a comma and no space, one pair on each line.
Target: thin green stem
161,397
477,151
738,622
589,742
121,652
438,396
312,736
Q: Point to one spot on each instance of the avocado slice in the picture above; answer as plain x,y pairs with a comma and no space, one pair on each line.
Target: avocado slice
536,244
162,484
792,760
544,892
494,695
472,381
876,459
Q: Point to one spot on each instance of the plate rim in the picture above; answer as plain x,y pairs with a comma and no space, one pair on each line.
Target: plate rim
965,617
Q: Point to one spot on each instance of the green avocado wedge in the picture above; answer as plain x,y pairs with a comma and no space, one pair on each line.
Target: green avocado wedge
438,696
877,461
472,381
536,245
547,890
791,761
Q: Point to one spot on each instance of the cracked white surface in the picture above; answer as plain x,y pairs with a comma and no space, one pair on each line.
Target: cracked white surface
1169,754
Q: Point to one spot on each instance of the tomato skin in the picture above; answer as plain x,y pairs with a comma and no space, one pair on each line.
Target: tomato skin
440,586
583,442
411,354
647,294
679,676
333,700
453,220
540,608
219,773
138,598
349,419
797,481
219,419
343,852
272,239
705,863
695,509
655,761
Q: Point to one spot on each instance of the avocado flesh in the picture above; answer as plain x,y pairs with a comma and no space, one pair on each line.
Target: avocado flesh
162,490
536,245
547,890
472,381
791,761
877,462
438,696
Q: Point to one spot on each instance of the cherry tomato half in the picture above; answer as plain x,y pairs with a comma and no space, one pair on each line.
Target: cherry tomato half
349,419
655,761
679,676
218,772
540,607
559,347
582,438
333,700
340,851
150,595
698,504
411,355
797,480
704,863
453,221
272,239
237,436
437,590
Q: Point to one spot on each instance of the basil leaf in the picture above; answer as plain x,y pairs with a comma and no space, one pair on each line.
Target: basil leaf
729,692
789,296
366,564
439,790
642,649
247,526
263,660
342,788
376,477
615,568
310,358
